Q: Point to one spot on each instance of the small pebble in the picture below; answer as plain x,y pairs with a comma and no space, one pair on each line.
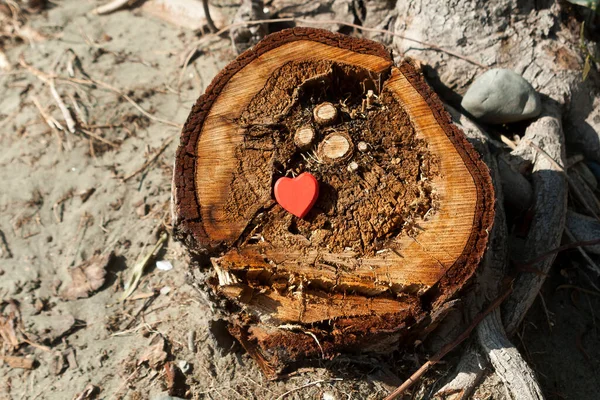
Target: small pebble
184,366
164,265
501,96
165,290
142,210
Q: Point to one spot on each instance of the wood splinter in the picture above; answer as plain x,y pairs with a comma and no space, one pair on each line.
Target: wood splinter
325,113
304,137
335,147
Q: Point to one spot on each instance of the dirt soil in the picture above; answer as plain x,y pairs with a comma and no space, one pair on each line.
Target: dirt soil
79,210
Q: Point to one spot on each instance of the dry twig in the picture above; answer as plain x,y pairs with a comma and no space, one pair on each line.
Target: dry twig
151,160
564,172
62,106
49,121
108,8
44,77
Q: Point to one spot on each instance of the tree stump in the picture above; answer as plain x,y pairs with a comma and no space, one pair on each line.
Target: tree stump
399,226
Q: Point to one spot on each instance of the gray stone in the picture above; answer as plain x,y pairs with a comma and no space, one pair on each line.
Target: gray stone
501,96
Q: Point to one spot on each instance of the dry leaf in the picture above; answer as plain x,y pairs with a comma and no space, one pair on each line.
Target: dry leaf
154,355
87,277
586,68
8,324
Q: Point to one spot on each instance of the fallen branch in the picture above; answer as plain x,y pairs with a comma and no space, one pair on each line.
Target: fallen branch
469,372
508,364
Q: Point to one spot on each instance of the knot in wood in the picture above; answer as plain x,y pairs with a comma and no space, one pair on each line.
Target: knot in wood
336,147
304,137
325,113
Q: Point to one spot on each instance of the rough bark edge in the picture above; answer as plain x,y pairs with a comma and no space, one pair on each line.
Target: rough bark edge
466,264
187,223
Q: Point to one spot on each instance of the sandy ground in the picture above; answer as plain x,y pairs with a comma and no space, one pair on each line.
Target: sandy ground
67,196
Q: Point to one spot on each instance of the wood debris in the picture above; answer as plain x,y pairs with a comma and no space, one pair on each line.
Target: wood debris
87,277
155,355
18,362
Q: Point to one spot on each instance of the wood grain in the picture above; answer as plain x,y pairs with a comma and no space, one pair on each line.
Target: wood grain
366,296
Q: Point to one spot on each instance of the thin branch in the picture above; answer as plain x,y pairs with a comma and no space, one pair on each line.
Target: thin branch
593,266
48,121
154,156
126,97
99,138
209,20
549,253
63,108
448,347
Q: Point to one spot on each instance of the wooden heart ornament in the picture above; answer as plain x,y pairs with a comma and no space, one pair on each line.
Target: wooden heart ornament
297,195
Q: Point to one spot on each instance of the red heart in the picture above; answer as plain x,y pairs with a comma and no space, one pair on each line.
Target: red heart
297,195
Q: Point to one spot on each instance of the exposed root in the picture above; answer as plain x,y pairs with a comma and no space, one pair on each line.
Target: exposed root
550,199
508,364
584,228
469,372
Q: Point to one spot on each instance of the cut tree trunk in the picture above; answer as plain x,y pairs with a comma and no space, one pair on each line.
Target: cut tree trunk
399,227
